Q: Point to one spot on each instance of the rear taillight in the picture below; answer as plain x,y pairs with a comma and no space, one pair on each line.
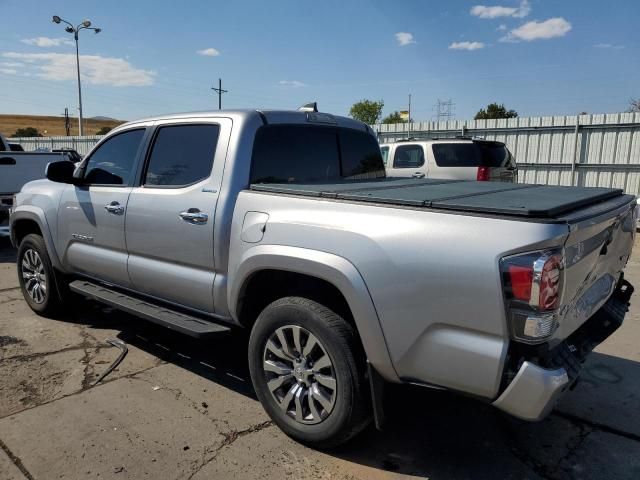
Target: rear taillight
533,290
483,174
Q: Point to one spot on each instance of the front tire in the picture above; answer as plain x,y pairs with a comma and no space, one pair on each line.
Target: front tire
307,368
37,277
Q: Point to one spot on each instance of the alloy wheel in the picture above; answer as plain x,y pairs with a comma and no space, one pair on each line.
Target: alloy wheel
34,276
300,374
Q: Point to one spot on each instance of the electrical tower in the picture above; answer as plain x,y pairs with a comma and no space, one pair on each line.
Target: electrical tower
219,91
444,110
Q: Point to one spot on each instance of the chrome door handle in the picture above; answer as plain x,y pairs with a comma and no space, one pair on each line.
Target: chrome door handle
115,208
418,175
194,216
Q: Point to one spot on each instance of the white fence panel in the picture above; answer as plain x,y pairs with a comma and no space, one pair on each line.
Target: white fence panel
587,150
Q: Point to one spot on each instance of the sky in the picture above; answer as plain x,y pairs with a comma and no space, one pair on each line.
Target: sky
539,57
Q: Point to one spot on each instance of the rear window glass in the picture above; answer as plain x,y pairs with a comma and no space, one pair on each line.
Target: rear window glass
314,154
408,156
476,154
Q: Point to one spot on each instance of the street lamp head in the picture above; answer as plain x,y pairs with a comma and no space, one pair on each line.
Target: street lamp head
97,30
56,19
69,29
86,24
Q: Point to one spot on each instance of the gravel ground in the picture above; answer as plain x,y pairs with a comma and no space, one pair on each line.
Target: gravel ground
181,408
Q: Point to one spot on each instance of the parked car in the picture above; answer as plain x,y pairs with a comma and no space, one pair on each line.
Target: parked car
461,158
18,167
283,223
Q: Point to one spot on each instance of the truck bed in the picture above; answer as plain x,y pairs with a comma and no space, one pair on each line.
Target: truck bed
520,200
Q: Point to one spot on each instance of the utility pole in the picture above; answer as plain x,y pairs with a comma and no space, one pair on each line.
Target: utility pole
219,91
409,126
67,121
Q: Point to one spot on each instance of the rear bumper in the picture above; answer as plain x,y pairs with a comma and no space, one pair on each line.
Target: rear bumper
533,392
535,389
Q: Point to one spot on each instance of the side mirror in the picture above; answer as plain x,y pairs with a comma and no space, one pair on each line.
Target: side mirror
61,172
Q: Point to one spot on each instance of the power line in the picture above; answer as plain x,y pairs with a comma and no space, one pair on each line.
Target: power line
219,91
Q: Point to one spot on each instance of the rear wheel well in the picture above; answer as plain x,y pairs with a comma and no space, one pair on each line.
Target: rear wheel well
266,286
22,228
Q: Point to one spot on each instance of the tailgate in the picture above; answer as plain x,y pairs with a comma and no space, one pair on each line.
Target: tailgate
596,251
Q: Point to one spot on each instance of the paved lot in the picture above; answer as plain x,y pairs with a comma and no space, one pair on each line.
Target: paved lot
180,408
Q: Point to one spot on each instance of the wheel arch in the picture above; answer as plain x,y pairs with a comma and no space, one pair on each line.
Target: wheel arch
32,220
327,272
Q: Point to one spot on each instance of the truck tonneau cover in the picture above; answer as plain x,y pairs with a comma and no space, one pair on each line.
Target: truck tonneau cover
523,200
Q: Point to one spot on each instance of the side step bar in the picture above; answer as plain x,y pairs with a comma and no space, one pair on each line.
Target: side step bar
174,320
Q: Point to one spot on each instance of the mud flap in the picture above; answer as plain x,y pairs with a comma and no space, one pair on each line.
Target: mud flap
376,387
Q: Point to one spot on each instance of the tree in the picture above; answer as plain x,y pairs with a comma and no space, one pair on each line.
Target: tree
495,111
394,117
103,131
27,132
634,105
367,111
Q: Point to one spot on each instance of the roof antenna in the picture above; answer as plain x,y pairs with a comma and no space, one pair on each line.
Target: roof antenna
309,107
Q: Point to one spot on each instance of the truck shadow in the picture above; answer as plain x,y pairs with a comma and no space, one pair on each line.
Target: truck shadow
7,252
434,434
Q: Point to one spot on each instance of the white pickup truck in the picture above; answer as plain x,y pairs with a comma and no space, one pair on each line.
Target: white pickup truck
17,168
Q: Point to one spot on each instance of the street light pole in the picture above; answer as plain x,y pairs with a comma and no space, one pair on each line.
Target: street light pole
75,36
85,25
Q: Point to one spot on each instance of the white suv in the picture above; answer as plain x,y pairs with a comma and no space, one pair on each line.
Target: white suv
461,158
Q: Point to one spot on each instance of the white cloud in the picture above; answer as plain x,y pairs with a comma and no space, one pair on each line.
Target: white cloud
208,52
291,83
11,64
502,27
95,69
608,45
9,71
552,28
466,46
46,41
404,38
496,11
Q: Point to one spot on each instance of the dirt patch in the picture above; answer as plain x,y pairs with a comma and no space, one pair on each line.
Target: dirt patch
6,340
27,382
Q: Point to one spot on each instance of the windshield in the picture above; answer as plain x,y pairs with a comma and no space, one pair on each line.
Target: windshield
475,154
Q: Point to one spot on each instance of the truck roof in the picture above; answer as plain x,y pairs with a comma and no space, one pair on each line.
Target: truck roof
270,116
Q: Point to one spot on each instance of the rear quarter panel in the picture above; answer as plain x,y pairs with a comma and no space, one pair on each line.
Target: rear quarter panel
433,277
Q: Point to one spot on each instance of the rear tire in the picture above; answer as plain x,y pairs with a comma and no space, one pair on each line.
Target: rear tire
313,386
37,277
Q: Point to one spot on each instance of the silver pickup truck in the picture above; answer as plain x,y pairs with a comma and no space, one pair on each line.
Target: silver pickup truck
284,224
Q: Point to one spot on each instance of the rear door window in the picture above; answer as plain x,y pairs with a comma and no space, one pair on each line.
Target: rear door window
408,156
385,155
313,154
181,155
476,154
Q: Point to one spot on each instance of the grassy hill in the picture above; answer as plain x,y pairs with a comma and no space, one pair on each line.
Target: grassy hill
51,125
